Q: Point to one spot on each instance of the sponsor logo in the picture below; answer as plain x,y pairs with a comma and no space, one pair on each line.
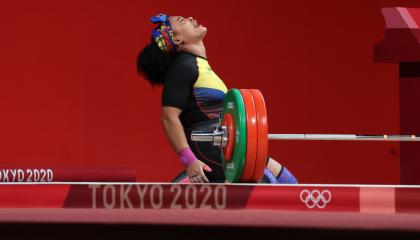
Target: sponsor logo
230,105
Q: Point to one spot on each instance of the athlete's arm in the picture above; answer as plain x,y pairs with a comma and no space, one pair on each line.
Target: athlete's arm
175,95
173,128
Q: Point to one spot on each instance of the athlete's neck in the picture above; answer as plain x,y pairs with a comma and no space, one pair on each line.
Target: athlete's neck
197,49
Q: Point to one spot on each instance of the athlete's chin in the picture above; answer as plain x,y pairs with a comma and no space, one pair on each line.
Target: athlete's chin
203,31
202,28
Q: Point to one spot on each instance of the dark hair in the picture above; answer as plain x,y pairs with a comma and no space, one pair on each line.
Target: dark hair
153,63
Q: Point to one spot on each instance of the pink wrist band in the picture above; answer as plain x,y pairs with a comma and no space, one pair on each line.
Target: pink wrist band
187,156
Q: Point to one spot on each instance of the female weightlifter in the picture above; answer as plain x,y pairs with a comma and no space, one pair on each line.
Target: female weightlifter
192,97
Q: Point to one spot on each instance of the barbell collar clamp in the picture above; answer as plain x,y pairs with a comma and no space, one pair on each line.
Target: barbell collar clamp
219,137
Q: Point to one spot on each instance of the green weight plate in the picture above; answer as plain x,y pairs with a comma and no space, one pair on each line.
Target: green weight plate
234,105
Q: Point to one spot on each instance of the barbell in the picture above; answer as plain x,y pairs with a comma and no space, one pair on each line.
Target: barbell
243,136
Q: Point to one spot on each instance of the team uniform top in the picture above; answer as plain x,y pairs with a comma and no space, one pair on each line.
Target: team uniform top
192,86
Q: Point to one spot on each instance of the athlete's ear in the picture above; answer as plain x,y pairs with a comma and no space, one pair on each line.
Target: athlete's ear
178,41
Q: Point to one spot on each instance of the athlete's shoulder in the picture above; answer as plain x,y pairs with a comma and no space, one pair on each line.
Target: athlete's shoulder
183,65
183,70
184,60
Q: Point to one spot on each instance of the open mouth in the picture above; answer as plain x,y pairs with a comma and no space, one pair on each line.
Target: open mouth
195,24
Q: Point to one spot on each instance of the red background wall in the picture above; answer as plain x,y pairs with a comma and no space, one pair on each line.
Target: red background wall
70,95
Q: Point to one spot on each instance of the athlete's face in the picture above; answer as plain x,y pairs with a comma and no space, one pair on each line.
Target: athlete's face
187,30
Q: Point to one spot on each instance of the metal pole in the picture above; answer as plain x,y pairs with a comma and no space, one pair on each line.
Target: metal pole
344,137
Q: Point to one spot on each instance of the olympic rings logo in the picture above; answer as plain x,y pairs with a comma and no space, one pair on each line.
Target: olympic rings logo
315,198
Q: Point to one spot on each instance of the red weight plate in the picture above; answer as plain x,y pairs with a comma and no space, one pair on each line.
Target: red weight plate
251,131
228,122
262,145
